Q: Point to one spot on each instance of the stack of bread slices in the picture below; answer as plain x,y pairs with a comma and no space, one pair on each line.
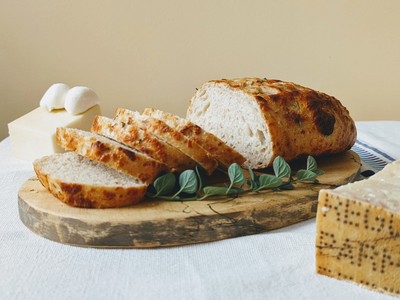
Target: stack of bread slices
112,165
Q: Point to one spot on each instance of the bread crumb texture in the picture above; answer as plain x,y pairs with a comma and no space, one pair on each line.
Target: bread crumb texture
263,119
79,181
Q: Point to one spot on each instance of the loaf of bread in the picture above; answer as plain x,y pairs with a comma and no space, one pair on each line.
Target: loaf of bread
358,232
139,139
224,154
79,181
263,119
162,131
111,153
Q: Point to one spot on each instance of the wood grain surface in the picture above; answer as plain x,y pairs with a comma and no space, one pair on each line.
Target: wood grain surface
160,223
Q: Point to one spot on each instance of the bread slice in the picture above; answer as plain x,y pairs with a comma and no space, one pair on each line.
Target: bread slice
263,119
139,139
79,181
162,131
358,232
224,154
111,153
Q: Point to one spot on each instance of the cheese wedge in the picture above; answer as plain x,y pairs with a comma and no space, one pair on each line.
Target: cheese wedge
358,232
34,134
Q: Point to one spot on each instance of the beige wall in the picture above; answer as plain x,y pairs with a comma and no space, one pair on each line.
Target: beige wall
138,54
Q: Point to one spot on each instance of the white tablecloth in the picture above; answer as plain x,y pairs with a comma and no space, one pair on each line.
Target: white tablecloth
274,265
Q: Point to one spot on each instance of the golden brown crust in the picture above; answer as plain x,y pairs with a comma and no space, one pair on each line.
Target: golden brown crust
139,139
359,242
118,157
88,196
161,130
301,121
224,154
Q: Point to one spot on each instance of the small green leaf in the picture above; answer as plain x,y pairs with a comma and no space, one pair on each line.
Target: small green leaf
164,184
236,174
253,175
202,180
305,175
251,184
214,190
287,187
269,181
188,182
318,172
236,189
311,163
281,167
254,182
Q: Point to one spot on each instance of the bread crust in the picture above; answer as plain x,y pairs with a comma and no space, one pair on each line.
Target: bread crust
162,131
224,154
117,156
358,242
301,121
139,139
86,195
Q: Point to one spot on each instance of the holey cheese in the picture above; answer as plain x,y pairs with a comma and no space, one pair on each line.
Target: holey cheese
358,232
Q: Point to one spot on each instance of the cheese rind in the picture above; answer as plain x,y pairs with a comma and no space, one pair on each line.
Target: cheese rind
381,189
358,232
34,134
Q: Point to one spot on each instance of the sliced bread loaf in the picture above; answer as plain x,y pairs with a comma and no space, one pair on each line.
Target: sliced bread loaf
139,139
111,153
162,131
224,154
263,119
79,181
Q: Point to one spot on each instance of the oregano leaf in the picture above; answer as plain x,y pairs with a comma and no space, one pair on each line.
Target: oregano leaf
214,191
281,167
318,172
287,187
306,175
164,184
202,180
237,189
311,163
188,182
253,175
269,181
236,174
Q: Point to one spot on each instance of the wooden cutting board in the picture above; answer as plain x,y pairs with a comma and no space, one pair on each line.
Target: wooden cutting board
159,223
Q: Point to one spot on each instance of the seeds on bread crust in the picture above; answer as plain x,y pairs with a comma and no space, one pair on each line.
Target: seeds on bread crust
111,153
162,131
139,139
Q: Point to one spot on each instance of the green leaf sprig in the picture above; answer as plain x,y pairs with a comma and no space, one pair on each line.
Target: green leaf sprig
192,184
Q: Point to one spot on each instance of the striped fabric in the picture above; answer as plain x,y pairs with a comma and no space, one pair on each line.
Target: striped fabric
372,159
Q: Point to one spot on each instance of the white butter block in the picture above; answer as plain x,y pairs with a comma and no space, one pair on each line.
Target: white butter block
34,134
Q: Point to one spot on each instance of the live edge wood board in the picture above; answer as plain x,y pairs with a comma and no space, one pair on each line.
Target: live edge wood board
160,223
